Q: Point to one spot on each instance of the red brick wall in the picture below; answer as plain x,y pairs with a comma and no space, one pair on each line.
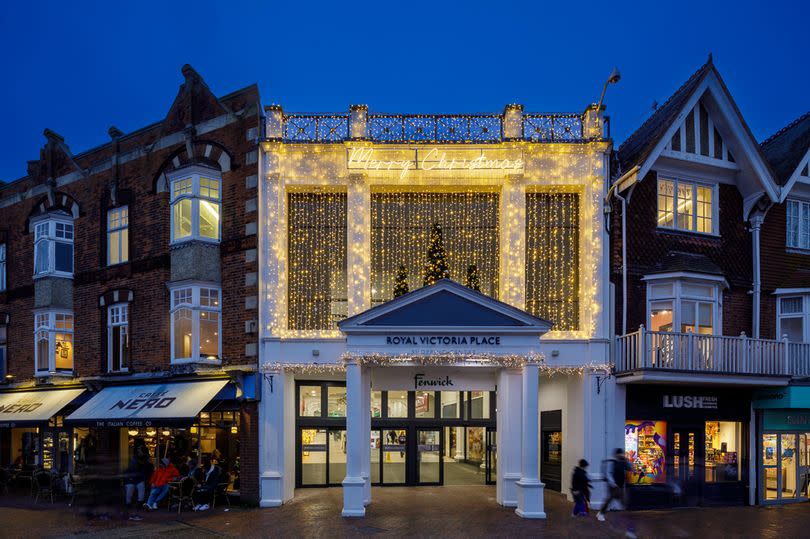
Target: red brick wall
148,270
647,245
249,453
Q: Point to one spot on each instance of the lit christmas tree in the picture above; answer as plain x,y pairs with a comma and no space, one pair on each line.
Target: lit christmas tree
473,278
401,281
436,267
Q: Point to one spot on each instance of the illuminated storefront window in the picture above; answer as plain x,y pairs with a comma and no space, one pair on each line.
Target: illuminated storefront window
723,441
645,444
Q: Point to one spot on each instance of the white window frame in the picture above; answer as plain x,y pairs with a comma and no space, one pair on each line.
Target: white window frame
195,173
802,213
680,294
45,322
676,181
804,314
189,296
50,230
122,231
2,266
117,317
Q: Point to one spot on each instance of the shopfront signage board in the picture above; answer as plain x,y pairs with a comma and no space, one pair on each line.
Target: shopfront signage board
23,407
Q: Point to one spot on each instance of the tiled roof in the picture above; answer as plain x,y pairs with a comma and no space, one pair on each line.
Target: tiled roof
694,263
641,143
786,148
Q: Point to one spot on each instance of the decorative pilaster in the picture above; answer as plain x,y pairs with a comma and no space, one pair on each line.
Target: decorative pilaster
358,122
367,446
513,241
513,122
358,230
507,436
529,488
356,438
274,122
275,485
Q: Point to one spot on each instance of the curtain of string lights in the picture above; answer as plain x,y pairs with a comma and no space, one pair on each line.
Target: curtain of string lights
317,287
552,258
400,232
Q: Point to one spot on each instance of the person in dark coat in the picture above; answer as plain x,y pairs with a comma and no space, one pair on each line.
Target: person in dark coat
581,488
206,489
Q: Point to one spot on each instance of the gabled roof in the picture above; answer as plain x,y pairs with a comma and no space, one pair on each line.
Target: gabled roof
643,147
446,306
787,148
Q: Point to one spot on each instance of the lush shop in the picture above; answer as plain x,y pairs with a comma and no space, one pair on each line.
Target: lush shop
783,444
687,445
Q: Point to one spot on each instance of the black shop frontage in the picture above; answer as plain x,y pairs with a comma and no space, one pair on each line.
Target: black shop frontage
687,445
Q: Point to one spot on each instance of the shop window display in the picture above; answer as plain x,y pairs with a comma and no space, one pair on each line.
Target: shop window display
645,448
336,402
397,404
425,404
723,441
376,404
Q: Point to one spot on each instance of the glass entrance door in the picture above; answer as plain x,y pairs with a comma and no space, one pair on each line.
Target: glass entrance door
429,456
784,467
492,457
394,456
804,465
686,461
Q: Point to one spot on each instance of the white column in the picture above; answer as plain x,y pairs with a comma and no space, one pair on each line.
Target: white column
507,437
358,231
367,439
275,484
459,454
354,484
529,488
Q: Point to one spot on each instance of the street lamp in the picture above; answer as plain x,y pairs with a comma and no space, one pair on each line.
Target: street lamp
614,77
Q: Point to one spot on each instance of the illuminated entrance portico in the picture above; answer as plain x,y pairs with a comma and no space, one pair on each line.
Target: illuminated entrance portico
448,337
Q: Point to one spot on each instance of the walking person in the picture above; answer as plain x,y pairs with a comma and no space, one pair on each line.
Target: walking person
581,488
617,468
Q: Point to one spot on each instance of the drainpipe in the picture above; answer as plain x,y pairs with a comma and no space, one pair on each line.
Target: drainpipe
615,191
756,223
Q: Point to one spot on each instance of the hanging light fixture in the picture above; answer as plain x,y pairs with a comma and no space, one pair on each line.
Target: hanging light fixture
132,432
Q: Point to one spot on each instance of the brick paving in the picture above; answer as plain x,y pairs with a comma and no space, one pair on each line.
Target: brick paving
407,512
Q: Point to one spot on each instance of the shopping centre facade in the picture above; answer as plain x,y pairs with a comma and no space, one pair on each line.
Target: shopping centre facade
372,384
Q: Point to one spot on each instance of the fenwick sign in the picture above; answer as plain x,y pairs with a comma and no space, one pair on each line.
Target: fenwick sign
428,159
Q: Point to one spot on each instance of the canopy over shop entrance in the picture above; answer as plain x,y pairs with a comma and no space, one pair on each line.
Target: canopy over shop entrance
147,404
25,408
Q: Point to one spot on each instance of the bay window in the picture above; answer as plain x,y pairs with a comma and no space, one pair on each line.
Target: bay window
53,246
686,205
792,316
798,224
53,342
195,204
684,305
196,325
118,338
117,236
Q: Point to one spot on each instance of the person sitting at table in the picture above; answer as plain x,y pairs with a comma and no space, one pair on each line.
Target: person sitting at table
165,474
134,479
206,489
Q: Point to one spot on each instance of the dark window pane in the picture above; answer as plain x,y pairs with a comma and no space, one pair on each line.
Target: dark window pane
64,257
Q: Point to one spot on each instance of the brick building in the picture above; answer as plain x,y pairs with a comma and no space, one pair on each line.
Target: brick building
129,272
691,191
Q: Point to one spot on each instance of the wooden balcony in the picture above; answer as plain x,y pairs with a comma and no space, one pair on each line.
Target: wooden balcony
673,355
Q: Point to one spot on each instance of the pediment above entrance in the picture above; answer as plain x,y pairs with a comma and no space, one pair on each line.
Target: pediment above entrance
445,307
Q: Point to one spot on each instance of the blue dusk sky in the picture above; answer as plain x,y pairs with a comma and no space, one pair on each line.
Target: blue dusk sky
79,67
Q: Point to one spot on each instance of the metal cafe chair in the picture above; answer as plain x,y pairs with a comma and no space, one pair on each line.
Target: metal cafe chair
43,483
183,492
222,490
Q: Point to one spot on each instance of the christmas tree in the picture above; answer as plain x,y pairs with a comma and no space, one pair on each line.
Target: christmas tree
401,281
473,278
436,267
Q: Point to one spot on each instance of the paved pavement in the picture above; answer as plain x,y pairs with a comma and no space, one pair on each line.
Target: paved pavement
461,511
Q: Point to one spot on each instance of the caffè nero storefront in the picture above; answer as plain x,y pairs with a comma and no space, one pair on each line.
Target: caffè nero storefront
439,386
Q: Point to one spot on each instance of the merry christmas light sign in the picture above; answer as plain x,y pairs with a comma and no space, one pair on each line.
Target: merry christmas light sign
434,159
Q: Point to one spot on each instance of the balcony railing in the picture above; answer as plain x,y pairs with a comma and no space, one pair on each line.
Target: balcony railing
710,354
433,128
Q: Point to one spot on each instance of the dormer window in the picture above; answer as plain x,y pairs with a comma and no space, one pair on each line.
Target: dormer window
196,194
686,205
53,246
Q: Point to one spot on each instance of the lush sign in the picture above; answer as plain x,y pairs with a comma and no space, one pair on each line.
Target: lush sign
690,401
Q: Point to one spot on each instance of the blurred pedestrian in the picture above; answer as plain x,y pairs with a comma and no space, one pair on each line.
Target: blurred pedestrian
581,488
617,468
